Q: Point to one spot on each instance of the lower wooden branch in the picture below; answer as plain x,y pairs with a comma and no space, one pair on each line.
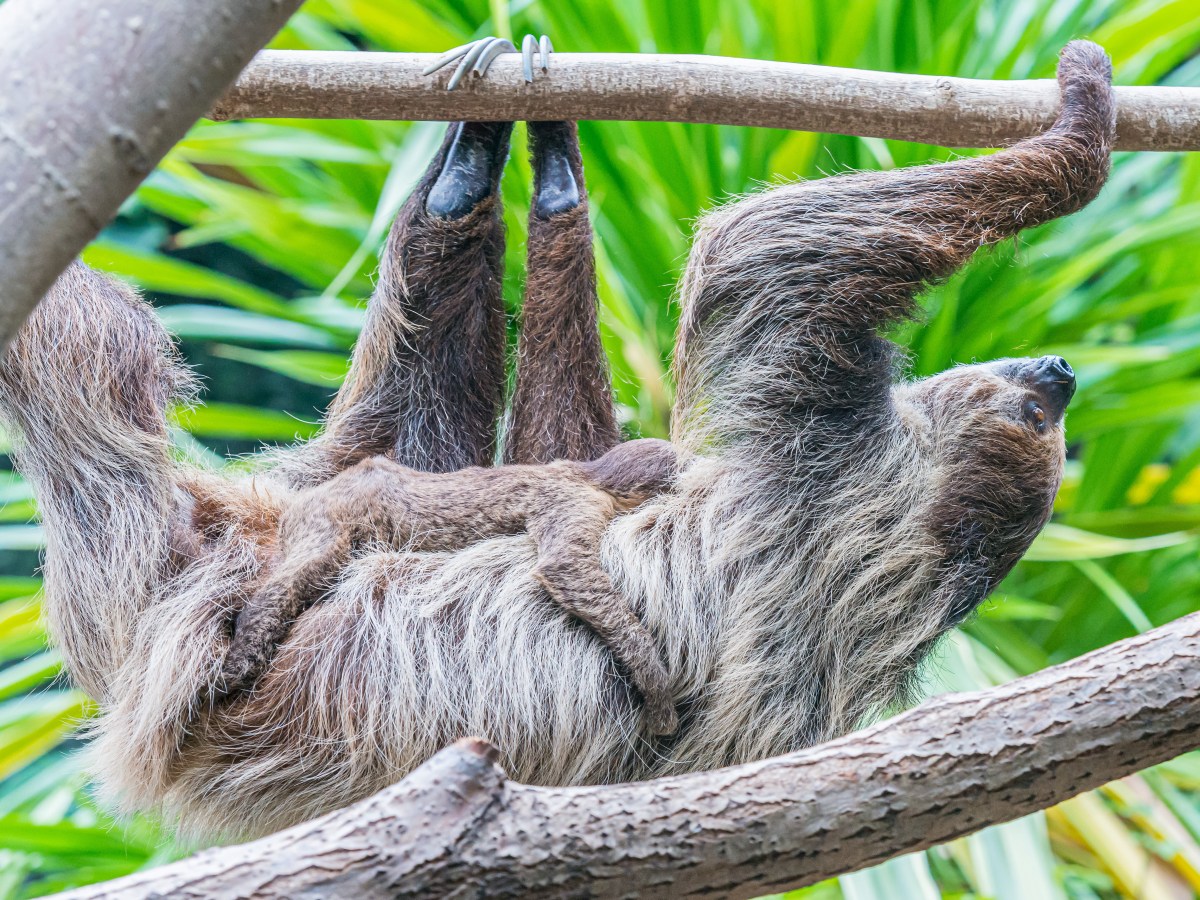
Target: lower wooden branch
457,827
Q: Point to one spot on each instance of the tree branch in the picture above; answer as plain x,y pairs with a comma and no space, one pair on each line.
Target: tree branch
956,764
953,112
91,97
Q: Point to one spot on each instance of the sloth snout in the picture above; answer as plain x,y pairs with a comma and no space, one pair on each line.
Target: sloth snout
1053,380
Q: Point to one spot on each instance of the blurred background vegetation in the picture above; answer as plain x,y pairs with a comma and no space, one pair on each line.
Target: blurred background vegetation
258,240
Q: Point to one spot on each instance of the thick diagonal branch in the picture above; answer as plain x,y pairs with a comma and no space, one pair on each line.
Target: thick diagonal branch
958,763
952,112
91,97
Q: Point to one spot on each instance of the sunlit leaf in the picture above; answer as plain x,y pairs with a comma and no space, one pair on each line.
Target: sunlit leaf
1062,543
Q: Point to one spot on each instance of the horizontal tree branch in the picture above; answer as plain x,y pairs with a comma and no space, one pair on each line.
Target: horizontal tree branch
456,827
952,112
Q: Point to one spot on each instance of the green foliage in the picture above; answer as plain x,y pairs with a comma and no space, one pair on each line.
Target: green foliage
273,232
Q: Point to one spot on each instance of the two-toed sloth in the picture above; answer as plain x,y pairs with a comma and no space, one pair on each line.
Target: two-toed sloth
836,521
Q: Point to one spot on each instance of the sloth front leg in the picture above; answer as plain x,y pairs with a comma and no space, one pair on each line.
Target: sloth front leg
318,534
313,549
569,570
562,405
427,377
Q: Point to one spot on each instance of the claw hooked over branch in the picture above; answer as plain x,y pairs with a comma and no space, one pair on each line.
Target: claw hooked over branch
478,56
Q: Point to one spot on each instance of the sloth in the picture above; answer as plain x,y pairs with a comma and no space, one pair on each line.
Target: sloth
834,521
564,506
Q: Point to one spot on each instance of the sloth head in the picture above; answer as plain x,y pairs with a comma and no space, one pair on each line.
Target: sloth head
996,433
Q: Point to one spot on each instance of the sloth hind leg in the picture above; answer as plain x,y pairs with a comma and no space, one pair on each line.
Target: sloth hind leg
562,405
426,381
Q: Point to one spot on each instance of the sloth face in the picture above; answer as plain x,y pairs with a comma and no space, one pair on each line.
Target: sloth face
994,436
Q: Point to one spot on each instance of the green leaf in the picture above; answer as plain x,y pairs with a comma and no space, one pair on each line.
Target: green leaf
216,323
232,421
168,275
1062,543
311,367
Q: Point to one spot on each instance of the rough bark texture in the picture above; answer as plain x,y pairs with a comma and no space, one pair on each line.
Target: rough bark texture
92,94
952,112
456,827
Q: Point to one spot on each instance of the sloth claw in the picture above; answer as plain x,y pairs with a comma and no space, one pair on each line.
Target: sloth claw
531,45
478,56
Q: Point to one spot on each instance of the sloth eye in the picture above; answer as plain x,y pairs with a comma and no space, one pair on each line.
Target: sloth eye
1035,416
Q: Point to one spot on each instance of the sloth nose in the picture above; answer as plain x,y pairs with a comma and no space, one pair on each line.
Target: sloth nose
1053,379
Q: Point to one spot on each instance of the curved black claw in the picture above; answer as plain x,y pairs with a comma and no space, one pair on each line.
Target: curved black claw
472,169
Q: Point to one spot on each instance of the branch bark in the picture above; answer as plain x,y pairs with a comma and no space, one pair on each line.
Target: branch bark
92,95
456,827
953,112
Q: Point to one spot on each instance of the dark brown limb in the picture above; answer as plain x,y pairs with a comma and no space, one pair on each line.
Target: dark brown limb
427,378
322,526
957,764
562,406
570,571
311,556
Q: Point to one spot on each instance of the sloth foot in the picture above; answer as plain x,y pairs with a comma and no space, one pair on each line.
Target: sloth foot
661,718
238,675
472,169
473,165
556,190
651,680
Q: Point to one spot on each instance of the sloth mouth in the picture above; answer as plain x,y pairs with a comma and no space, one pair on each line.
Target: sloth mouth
1052,379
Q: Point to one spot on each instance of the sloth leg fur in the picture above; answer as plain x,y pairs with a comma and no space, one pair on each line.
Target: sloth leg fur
427,378
562,404
786,291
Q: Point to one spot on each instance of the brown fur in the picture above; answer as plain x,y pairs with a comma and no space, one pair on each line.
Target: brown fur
562,406
833,523
436,326
565,507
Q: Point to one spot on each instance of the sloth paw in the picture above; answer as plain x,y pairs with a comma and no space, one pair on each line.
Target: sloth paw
472,169
555,147
651,679
237,675
477,57
661,718
240,669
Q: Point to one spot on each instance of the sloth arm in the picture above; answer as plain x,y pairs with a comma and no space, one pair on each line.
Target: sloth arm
786,291
380,501
567,534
